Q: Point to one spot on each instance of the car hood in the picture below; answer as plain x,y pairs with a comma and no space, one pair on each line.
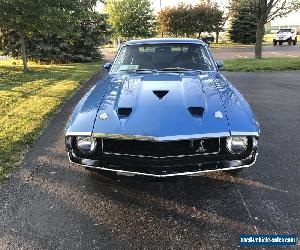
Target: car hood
167,117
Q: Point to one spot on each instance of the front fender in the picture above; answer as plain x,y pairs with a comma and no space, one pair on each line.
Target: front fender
82,120
241,119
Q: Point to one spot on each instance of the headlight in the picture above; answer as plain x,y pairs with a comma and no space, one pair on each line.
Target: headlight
237,144
86,144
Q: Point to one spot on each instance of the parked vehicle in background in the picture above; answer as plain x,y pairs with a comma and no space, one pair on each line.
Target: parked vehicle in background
208,39
285,35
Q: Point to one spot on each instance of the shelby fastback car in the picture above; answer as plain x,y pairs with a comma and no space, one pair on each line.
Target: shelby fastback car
164,109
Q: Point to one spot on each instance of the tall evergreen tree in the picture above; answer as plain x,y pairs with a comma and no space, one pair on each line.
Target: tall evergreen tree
243,26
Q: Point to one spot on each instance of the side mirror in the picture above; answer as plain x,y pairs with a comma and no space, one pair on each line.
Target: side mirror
107,66
219,64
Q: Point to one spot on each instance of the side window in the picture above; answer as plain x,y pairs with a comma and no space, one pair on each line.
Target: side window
204,56
124,58
119,59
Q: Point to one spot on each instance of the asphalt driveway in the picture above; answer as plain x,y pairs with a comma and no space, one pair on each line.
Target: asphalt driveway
48,203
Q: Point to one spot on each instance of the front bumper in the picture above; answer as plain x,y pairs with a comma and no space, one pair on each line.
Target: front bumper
162,168
282,39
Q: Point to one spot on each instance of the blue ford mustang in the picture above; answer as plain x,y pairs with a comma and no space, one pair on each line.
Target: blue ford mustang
164,109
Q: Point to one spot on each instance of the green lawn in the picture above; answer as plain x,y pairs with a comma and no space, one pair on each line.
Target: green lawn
29,100
266,64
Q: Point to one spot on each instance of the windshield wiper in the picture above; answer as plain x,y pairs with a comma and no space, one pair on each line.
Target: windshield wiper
175,69
180,69
145,70
139,70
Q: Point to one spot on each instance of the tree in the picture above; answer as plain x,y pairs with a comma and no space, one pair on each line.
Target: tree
25,17
243,24
182,22
204,16
178,20
79,44
166,21
186,20
163,19
267,10
130,18
215,18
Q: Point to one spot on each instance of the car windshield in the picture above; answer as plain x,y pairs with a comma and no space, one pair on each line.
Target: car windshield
163,57
284,30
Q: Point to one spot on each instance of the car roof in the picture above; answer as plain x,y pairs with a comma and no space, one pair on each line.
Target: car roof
164,40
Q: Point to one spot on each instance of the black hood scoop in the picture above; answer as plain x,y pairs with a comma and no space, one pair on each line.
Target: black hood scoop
160,93
124,112
196,111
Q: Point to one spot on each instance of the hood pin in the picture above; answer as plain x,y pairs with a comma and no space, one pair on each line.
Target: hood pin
103,116
218,115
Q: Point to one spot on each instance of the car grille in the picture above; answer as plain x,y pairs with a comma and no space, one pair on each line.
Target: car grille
161,149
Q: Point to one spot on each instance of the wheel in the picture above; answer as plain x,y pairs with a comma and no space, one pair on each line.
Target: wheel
235,171
289,41
295,41
280,43
274,42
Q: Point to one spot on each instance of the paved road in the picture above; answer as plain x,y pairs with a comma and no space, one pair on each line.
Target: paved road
248,52
48,203
224,53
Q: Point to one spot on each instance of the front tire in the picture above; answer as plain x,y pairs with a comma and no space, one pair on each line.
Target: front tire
274,42
289,41
295,41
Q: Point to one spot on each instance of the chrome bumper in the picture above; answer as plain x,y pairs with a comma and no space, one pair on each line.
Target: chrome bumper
194,169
